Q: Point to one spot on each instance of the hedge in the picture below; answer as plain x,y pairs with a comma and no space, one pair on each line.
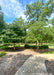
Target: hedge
35,47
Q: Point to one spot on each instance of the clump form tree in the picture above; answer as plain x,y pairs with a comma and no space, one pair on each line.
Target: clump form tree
37,15
38,33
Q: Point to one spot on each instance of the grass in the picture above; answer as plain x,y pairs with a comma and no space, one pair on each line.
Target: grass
52,47
52,51
49,52
2,53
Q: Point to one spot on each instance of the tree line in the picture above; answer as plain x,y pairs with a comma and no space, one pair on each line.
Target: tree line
35,29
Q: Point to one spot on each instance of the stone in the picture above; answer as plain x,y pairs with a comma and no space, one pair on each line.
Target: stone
35,65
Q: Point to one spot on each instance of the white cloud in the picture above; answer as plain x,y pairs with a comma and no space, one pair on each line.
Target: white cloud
12,8
52,15
31,2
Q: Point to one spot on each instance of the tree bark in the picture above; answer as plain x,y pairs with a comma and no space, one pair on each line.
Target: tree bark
14,46
37,44
19,44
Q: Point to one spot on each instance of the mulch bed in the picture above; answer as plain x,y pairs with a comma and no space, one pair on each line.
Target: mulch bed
50,66
11,49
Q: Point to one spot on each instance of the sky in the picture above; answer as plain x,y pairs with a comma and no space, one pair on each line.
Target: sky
15,8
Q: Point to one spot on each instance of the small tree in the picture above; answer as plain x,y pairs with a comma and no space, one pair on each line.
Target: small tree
39,33
10,37
14,32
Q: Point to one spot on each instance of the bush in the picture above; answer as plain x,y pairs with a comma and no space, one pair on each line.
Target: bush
2,53
30,46
6,44
26,46
43,47
4,47
34,47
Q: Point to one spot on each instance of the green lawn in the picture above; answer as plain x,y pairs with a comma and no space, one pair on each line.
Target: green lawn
49,52
2,53
52,47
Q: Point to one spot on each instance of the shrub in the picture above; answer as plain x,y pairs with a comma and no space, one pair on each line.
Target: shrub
43,47
2,53
34,47
30,46
4,47
6,44
26,46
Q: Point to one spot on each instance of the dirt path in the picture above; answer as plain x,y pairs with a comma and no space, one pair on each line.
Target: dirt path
25,52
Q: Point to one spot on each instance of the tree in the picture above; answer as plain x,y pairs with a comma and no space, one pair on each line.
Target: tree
18,24
1,20
52,21
9,36
2,24
38,32
52,29
14,32
34,33
39,11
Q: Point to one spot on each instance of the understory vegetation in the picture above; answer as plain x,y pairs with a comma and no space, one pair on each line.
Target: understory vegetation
34,46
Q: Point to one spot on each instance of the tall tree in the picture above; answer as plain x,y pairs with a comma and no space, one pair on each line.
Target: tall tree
1,20
52,21
39,11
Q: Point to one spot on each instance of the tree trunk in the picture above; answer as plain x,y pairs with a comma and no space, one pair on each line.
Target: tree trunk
37,44
14,46
19,44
